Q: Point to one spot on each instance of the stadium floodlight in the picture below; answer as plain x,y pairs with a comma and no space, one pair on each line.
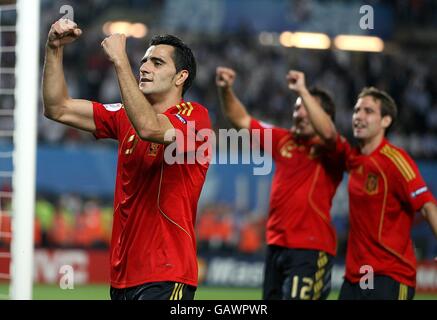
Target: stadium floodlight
136,30
309,40
359,43
116,27
286,39
305,40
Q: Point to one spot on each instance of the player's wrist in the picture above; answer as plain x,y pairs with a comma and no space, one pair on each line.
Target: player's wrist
51,45
53,48
303,91
225,87
121,61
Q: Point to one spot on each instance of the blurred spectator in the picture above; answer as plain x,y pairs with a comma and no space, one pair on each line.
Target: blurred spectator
89,229
61,234
5,229
73,222
106,220
44,213
251,235
5,201
205,227
215,228
37,233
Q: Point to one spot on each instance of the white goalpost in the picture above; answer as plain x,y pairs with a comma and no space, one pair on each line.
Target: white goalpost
24,152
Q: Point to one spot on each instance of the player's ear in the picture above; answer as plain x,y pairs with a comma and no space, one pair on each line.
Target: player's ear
181,76
386,121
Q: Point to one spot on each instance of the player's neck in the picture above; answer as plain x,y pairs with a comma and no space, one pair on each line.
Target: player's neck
369,145
163,102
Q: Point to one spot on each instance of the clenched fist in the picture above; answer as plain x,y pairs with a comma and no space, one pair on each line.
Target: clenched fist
225,77
63,32
115,47
296,81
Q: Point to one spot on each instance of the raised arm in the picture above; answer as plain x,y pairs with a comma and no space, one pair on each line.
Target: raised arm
321,121
148,124
58,105
232,107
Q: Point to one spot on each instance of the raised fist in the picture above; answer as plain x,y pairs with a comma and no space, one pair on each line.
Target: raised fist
296,80
225,77
63,32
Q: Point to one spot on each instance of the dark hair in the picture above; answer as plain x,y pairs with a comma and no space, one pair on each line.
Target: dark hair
183,56
388,105
325,100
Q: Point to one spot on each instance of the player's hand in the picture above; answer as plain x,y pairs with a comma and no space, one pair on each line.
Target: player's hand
63,32
115,47
296,81
225,77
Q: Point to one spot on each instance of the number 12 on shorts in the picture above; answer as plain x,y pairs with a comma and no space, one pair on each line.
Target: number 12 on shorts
304,290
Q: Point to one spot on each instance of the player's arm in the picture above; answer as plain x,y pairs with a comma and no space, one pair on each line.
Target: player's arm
148,124
58,105
321,121
429,212
232,107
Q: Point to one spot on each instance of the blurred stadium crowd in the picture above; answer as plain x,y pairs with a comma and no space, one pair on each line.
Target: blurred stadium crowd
72,221
76,221
410,75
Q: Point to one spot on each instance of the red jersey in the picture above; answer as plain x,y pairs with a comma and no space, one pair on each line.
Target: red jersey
385,191
305,181
155,203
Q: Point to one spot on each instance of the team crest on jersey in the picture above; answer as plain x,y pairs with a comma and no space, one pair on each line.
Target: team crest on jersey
371,184
286,149
153,149
113,106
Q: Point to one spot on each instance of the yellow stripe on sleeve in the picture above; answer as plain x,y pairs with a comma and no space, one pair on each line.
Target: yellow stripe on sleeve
400,162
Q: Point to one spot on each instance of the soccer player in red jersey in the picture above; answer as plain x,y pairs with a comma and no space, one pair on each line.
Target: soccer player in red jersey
385,191
153,246
300,236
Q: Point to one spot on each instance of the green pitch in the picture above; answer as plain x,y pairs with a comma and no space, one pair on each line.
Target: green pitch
101,292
